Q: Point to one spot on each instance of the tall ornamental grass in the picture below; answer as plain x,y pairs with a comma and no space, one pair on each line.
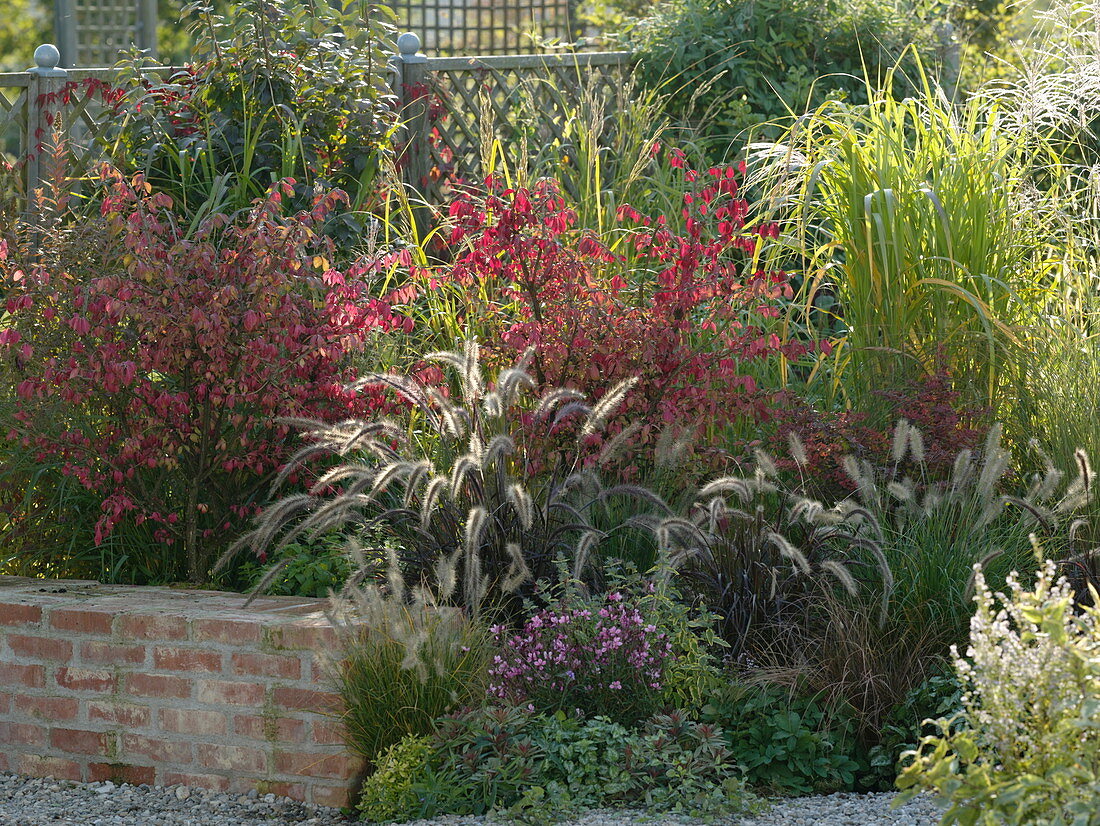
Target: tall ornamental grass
921,220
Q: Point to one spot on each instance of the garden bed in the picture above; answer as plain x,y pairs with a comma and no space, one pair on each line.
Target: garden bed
167,686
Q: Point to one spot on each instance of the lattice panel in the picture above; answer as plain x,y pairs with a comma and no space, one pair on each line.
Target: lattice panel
484,27
104,29
517,106
13,120
85,122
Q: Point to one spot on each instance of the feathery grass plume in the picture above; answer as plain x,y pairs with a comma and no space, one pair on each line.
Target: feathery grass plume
456,500
673,446
1079,493
1046,484
517,573
900,443
521,501
401,663
733,545
552,399
607,406
614,447
797,450
916,444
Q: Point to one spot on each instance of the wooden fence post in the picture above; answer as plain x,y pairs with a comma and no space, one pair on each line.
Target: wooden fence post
44,119
413,95
146,27
64,26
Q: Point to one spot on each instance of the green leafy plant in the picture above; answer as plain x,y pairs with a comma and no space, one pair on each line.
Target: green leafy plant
538,766
388,793
938,697
787,744
1031,751
304,569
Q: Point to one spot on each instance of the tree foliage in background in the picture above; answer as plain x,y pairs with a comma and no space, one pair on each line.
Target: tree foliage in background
25,24
276,89
736,64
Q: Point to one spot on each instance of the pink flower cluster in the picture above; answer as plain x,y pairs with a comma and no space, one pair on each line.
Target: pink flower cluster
598,659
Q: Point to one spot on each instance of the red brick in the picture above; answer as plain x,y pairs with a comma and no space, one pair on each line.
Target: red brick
122,773
35,765
83,679
306,699
14,613
152,627
190,721
219,692
230,758
82,620
337,797
5,700
308,635
123,714
4,765
94,651
43,648
51,709
327,734
267,665
159,751
187,659
79,741
279,729
217,782
304,764
29,676
158,685
231,632
23,734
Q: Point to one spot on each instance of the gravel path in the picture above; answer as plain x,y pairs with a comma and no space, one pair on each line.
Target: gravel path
47,802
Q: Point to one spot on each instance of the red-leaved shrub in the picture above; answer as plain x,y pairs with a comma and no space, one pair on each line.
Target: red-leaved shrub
686,312
158,375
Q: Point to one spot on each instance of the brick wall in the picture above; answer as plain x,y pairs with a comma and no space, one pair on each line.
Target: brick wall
166,686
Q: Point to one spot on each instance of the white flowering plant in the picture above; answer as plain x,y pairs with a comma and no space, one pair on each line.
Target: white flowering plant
1027,747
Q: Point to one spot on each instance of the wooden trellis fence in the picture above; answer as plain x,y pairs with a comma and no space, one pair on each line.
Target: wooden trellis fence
449,108
484,27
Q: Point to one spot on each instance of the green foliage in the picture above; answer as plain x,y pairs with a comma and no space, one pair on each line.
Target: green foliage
1031,751
787,744
538,766
404,664
737,64
275,89
388,792
305,569
938,697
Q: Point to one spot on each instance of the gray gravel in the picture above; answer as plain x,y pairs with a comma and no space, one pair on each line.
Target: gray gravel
842,809
48,802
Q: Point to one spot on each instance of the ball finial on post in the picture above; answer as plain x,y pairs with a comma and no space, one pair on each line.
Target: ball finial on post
46,60
408,48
